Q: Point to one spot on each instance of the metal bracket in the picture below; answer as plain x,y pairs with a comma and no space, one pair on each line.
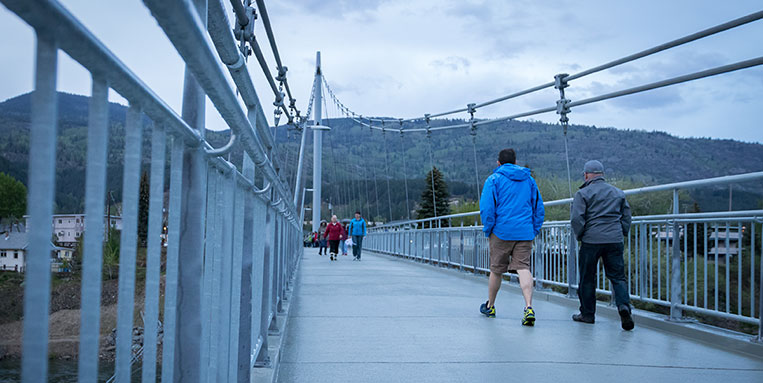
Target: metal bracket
246,32
216,152
427,118
562,108
281,74
471,108
263,190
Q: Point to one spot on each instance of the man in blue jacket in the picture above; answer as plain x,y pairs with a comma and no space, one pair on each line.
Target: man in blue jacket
512,214
357,231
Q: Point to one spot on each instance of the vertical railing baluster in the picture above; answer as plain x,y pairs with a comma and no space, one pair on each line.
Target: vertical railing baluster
172,271
128,242
240,321
694,261
752,268
760,294
92,259
266,245
42,185
154,252
674,261
274,260
210,226
225,260
715,267
704,280
740,265
686,264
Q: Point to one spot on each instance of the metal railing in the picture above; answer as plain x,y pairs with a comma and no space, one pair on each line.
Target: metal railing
708,264
232,245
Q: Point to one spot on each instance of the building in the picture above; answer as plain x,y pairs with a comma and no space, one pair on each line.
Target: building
69,227
723,237
13,250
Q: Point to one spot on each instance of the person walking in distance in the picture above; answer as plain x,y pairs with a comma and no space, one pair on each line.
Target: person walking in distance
343,243
512,214
600,219
357,231
334,233
322,238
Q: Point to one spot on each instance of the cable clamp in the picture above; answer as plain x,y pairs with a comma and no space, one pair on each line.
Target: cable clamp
282,74
560,81
471,108
248,29
563,109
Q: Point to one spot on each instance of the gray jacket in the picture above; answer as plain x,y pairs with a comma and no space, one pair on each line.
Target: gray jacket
600,213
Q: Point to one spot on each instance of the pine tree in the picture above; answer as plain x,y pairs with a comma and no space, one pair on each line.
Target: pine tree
427,206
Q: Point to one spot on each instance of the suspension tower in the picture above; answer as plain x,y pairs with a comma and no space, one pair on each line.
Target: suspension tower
317,144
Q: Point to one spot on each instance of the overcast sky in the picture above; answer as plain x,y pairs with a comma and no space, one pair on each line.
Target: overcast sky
406,58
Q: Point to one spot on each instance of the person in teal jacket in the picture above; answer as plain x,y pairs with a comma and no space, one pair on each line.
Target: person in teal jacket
512,214
357,231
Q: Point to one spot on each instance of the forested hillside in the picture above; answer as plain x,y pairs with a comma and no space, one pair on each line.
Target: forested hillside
354,158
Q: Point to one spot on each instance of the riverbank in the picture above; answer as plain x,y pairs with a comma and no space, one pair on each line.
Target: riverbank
64,322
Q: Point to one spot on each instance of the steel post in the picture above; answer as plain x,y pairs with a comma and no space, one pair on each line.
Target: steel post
317,145
188,366
298,187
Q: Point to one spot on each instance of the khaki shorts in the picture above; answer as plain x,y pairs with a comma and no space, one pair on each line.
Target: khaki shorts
509,255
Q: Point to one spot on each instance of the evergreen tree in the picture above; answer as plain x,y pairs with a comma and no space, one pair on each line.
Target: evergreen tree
143,201
12,198
427,206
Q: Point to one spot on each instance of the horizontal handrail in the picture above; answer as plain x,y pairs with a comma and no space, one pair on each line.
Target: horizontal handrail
745,177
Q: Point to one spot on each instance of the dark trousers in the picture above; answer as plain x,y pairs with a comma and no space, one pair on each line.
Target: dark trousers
357,245
611,255
334,246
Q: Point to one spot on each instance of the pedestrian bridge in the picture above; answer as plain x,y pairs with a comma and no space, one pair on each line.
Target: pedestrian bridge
392,319
243,301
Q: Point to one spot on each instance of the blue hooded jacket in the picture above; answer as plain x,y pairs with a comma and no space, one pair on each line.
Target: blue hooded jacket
358,227
511,206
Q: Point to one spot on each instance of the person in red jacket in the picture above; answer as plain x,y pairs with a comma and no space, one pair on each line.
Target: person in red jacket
334,233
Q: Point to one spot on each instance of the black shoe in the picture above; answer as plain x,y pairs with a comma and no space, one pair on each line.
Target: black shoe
581,318
626,319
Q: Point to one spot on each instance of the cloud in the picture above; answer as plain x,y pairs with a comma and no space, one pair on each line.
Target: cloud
365,10
452,63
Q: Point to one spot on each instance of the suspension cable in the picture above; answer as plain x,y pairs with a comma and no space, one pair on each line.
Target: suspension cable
376,186
638,55
386,171
431,164
562,109
405,171
473,132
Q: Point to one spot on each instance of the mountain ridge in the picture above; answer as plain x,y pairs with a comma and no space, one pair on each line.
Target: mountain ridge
640,157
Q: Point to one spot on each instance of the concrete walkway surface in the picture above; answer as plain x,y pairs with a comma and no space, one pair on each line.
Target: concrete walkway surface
385,319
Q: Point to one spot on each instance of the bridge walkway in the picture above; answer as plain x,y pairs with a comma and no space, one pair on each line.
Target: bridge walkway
390,320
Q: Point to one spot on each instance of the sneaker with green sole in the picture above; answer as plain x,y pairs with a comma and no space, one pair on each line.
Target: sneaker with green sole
528,319
487,311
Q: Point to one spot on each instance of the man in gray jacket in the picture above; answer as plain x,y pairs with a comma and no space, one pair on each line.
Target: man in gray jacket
601,218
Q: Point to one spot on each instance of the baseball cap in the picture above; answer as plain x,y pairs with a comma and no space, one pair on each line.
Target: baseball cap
594,167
